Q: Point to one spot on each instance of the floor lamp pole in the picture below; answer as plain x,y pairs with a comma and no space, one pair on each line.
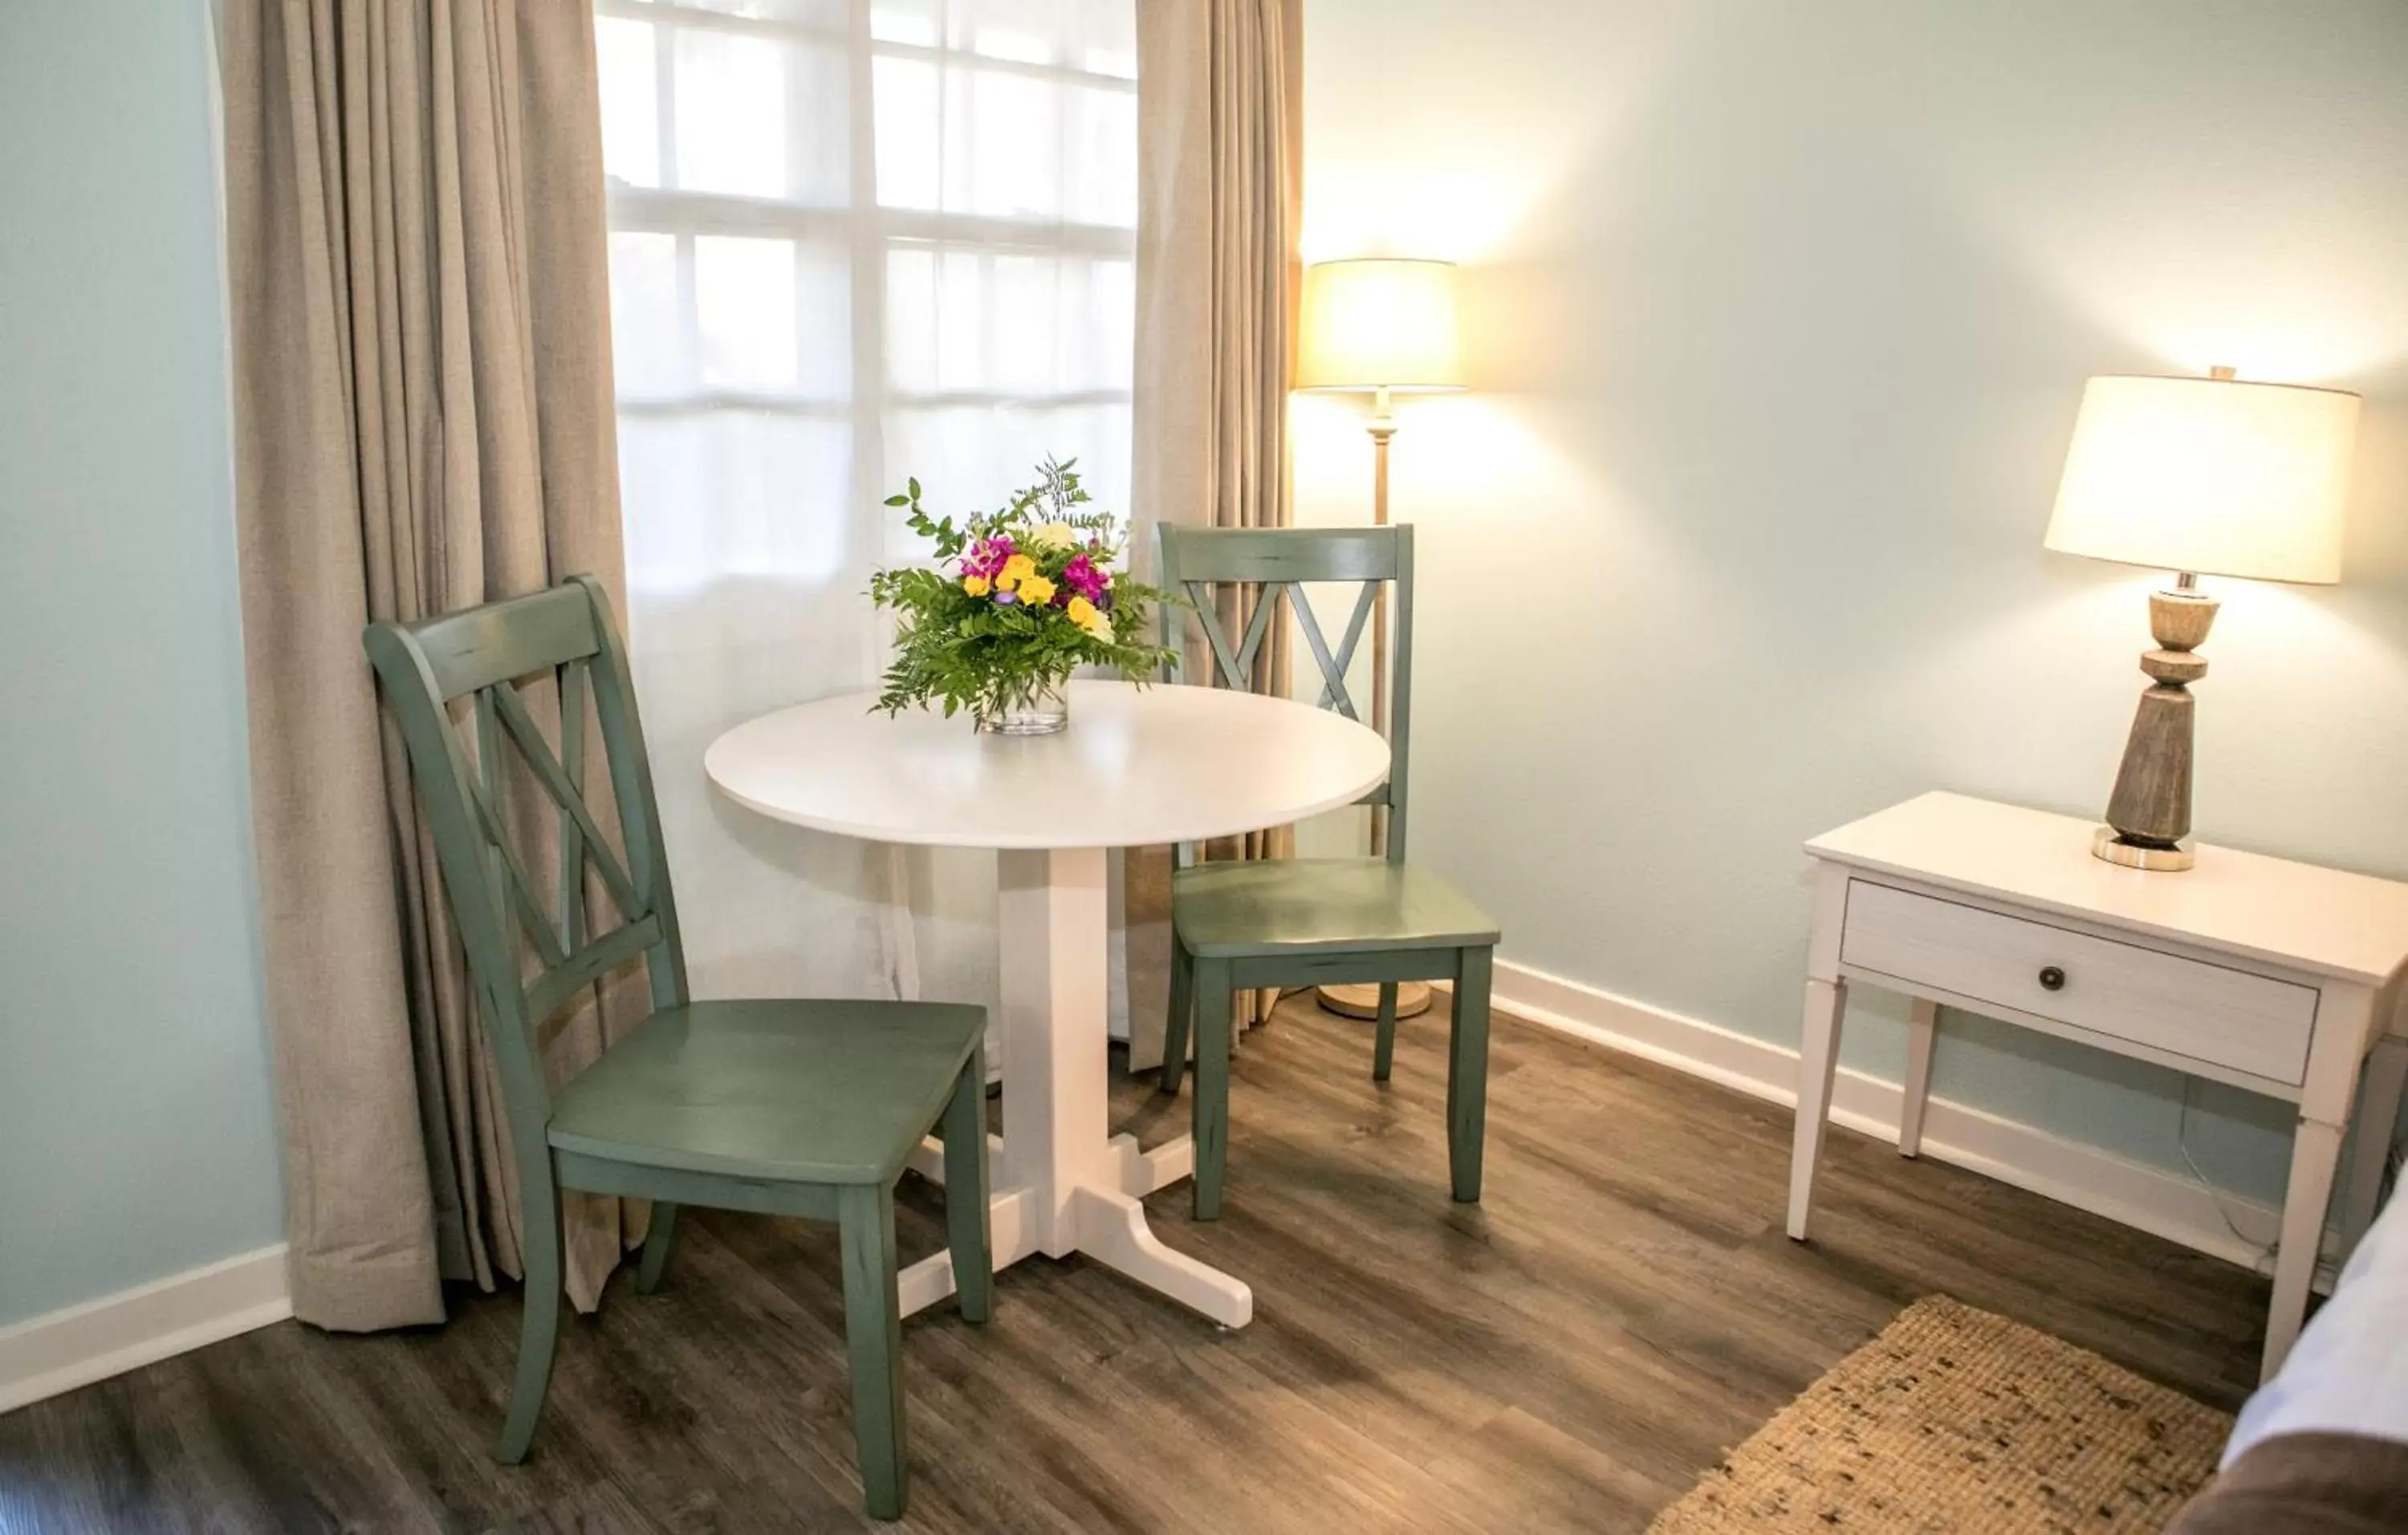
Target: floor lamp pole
1412,997
1383,426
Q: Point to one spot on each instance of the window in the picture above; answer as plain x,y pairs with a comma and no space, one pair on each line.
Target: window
856,239
851,240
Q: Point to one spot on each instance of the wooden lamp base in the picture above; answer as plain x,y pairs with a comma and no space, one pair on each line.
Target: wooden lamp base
2148,816
1412,999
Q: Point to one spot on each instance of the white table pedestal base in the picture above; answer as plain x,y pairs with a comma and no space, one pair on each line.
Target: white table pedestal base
1063,1183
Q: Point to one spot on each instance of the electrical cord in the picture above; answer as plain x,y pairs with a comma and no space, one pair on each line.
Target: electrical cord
2264,1262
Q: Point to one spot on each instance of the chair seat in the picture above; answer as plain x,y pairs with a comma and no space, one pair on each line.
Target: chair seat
815,1092
1298,905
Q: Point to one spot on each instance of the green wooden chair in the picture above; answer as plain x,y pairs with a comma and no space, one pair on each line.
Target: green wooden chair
1300,922
780,1108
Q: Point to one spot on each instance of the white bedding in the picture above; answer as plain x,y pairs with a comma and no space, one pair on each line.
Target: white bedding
2348,1373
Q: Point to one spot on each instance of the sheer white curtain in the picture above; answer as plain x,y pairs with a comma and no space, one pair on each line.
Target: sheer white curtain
851,240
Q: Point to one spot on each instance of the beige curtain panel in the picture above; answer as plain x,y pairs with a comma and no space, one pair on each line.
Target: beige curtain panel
1220,199
417,260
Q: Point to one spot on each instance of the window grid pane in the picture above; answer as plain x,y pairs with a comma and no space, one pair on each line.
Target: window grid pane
956,305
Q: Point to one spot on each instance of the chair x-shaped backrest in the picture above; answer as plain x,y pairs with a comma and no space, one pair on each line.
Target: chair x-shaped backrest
483,654
1271,568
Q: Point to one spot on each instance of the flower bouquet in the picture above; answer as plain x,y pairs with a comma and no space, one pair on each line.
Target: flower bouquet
1018,599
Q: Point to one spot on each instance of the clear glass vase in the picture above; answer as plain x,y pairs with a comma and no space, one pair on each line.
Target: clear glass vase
1044,710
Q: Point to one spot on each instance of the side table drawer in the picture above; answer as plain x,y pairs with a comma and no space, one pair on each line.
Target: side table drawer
2208,1012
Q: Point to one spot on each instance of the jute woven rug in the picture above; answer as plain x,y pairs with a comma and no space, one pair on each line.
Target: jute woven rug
1957,1421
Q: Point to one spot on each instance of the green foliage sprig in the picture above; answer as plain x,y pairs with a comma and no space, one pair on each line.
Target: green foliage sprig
1020,597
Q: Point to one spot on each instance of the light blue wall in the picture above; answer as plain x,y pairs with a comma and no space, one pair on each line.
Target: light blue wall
137,1135
1779,318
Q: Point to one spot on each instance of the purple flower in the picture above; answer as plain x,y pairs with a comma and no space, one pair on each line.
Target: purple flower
1080,576
1005,599
987,555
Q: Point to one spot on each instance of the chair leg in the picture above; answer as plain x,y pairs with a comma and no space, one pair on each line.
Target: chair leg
1183,1005
966,1192
1467,1074
873,1334
654,1266
1384,1043
539,1317
1213,1000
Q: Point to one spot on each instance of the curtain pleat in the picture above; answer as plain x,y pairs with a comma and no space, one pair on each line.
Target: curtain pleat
420,426
1220,167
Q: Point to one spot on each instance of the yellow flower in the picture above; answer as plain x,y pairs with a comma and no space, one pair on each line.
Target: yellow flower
1036,589
1097,622
1018,567
1054,536
977,586
1082,611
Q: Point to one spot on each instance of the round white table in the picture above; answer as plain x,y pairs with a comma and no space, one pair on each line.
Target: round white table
1136,768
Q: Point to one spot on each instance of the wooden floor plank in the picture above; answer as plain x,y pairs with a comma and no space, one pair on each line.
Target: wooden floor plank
1569,1354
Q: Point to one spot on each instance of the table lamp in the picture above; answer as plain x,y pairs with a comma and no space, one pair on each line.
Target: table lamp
2214,476
1381,326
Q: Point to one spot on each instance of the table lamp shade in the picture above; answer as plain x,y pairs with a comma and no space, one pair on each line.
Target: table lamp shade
1380,324
2209,475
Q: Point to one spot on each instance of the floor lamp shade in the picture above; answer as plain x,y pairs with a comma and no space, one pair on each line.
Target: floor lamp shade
1380,323
2197,476
2212,476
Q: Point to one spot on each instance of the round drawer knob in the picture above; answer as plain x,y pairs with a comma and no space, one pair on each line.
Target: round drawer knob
2052,978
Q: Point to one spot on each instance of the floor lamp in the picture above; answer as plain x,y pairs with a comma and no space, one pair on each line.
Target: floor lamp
1381,327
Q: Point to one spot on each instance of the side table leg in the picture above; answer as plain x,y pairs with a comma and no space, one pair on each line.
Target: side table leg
1922,1030
2315,1151
1817,1057
2345,1028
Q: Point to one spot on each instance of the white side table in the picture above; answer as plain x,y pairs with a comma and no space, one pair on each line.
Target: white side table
2270,975
1135,767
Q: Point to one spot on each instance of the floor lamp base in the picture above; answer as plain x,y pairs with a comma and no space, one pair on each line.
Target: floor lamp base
1412,999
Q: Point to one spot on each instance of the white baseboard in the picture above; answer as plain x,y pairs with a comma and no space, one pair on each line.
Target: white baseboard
2153,1199
43,1355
